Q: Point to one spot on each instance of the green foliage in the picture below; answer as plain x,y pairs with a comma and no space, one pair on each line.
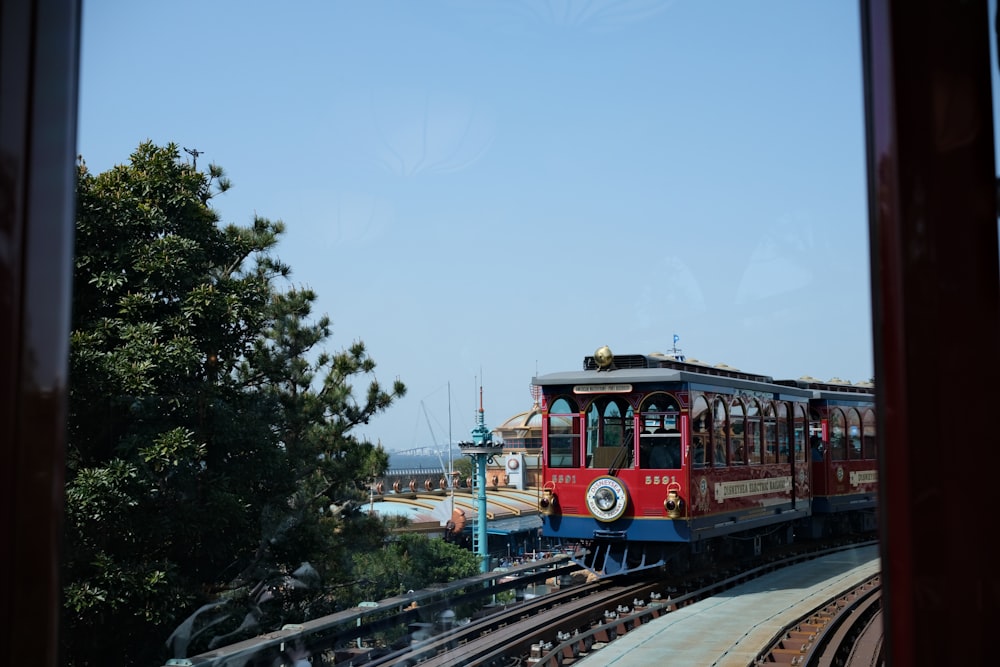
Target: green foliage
210,439
410,562
463,466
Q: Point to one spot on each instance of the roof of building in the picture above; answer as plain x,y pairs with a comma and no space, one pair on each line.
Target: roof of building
532,419
513,508
520,524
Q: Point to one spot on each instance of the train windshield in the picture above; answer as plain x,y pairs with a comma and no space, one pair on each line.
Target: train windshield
660,439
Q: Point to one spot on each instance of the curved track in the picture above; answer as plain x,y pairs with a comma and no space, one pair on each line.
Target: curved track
554,628
560,627
845,631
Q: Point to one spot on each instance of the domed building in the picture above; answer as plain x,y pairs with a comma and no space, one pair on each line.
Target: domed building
522,431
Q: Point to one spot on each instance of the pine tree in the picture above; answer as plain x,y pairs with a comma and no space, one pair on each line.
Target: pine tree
210,446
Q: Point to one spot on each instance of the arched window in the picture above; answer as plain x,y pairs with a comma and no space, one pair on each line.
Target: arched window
752,431
609,433
660,439
701,432
853,434
817,448
838,436
800,433
781,431
869,443
659,411
737,426
563,434
720,433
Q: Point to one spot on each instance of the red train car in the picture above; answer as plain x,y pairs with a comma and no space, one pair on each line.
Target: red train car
649,460
843,449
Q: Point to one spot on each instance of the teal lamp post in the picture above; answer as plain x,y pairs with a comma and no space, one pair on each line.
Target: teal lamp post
482,450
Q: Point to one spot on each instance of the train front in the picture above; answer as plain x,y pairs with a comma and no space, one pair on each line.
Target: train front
615,449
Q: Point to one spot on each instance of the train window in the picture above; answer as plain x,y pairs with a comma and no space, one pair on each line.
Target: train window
868,440
627,457
563,434
853,434
770,433
413,131
607,444
781,432
659,411
838,441
801,431
660,440
737,414
817,447
700,432
752,431
720,433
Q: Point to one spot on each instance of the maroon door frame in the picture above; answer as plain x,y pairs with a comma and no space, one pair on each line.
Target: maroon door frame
38,97
936,318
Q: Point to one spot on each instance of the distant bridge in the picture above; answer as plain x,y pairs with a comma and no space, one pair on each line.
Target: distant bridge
427,451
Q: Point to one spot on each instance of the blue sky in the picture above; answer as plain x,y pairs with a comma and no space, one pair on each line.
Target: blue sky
483,191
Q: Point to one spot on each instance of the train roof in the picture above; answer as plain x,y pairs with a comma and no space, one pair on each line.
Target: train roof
637,368
833,389
642,368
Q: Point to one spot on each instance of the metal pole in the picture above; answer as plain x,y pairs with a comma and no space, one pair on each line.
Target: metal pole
484,552
481,449
451,465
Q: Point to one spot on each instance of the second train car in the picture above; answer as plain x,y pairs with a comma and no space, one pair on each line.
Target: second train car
654,461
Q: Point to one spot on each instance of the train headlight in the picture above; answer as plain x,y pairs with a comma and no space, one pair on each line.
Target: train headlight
674,504
548,504
607,498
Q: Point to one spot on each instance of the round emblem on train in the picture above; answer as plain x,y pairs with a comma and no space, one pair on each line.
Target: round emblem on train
607,498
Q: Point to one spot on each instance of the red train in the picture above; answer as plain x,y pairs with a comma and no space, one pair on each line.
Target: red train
653,461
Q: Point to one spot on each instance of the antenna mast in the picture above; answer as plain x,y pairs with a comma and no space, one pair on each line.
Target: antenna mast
194,152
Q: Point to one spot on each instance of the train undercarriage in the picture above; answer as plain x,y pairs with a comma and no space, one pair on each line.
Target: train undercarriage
611,554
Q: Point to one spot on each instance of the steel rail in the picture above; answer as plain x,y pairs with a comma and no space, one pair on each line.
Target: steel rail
560,653
824,635
322,634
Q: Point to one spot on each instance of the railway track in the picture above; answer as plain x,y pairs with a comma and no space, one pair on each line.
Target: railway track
845,631
556,628
503,637
352,632
565,626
